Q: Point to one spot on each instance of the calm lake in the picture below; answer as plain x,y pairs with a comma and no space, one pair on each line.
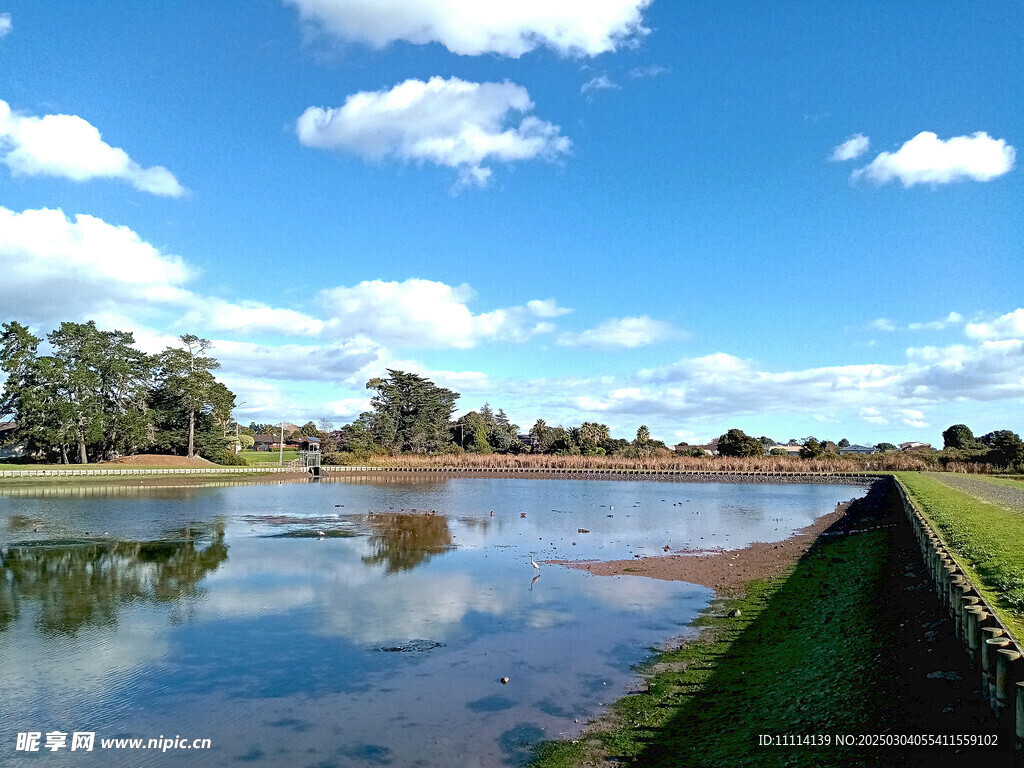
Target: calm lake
222,613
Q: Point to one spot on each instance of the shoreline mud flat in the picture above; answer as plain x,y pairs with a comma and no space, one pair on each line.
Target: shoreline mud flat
725,571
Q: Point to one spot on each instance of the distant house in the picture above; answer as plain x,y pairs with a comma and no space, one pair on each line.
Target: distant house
529,441
711,449
309,443
867,449
273,443
791,450
912,445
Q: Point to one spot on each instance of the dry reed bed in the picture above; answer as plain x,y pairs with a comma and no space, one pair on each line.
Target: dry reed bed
881,463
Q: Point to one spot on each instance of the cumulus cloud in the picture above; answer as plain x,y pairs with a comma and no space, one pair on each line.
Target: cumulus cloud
70,147
426,313
471,27
855,146
546,308
722,386
927,159
599,83
59,267
55,266
451,123
883,324
627,332
248,317
1010,325
313,362
6,26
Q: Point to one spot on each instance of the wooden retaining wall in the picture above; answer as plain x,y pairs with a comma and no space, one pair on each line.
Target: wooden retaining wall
993,652
682,474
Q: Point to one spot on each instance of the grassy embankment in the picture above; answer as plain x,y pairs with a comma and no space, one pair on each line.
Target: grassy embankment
986,539
805,656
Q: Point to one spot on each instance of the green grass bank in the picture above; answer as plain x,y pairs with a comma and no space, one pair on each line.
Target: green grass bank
987,540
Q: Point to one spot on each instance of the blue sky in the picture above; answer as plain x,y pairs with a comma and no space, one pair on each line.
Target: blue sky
628,211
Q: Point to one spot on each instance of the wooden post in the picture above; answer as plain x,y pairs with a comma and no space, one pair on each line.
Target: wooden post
1019,748
948,572
956,603
991,646
967,602
1006,659
975,615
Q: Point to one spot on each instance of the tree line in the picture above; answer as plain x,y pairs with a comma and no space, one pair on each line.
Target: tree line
95,396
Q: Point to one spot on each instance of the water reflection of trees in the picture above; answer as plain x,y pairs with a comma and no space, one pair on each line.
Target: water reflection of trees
78,584
403,541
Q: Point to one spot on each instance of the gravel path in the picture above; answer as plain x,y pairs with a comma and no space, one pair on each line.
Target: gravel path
1004,496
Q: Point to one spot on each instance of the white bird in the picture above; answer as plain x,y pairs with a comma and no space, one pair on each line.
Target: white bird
534,564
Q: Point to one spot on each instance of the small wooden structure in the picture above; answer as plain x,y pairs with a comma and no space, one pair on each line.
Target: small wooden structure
311,460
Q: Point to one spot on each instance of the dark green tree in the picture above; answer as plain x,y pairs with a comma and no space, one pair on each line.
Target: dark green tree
812,449
883,447
411,413
642,446
736,442
1005,448
90,395
186,390
959,436
543,435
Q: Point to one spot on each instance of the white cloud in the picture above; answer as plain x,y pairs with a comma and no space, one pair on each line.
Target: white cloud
599,83
249,317
627,332
471,27
451,123
70,147
886,325
56,267
6,26
299,362
722,385
873,416
953,318
651,70
425,313
1010,325
855,146
546,308
927,159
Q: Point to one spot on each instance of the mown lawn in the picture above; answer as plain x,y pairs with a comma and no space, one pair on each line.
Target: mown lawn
986,539
267,457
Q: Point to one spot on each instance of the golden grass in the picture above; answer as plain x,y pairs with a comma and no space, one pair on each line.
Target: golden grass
888,462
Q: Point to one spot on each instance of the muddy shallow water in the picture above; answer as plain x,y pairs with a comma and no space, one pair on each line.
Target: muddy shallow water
358,622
